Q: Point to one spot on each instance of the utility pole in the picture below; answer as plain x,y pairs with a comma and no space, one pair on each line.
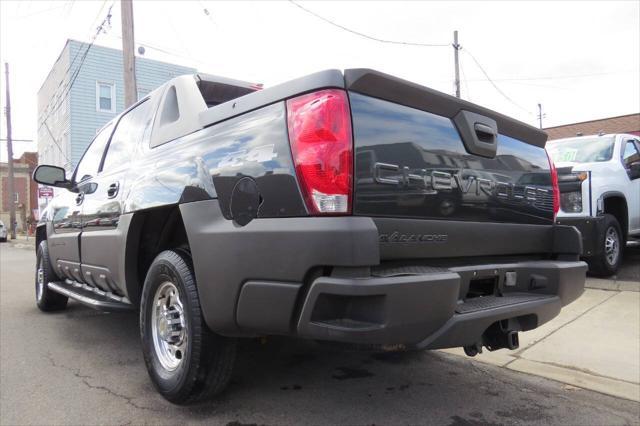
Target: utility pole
128,54
456,47
11,191
540,115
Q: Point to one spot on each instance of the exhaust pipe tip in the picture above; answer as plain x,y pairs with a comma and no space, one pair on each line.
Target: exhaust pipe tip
473,350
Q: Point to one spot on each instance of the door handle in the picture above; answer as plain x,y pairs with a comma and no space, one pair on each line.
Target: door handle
79,198
113,189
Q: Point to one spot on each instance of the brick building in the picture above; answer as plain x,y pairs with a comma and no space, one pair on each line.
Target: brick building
622,124
25,190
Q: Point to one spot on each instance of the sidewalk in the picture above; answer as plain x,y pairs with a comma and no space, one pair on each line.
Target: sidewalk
594,344
22,241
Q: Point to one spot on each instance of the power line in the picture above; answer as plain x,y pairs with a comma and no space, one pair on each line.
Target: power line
561,77
369,37
73,61
67,88
495,86
55,141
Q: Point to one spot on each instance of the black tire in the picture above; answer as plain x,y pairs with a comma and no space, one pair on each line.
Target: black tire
603,265
205,367
46,299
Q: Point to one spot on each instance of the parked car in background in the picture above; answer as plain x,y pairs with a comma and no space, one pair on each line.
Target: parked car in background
3,232
599,178
342,206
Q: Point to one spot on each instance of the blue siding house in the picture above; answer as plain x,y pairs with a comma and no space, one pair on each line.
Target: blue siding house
95,97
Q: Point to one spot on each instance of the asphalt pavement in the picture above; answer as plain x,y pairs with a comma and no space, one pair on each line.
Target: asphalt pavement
81,366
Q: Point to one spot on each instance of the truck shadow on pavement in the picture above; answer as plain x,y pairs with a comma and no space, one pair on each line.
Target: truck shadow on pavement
289,381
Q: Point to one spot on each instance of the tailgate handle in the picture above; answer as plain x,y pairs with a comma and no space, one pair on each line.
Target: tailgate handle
479,133
484,133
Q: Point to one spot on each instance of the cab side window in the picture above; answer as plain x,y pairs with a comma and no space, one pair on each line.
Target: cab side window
130,130
90,162
630,154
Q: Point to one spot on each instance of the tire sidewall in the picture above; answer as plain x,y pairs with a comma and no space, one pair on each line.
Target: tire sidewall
42,255
605,267
167,382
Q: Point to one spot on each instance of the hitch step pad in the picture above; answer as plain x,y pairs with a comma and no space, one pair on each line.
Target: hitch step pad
491,302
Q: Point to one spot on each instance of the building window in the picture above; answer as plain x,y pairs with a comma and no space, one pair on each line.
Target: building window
142,93
105,97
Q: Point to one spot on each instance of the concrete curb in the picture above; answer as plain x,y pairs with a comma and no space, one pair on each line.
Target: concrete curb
569,376
579,379
612,285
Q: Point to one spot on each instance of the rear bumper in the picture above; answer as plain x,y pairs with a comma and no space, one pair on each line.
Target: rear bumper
590,228
421,307
322,278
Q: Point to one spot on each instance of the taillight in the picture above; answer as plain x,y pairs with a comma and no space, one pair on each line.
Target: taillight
321,143
556,187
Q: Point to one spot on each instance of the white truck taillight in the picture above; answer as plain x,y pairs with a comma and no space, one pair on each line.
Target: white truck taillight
322,147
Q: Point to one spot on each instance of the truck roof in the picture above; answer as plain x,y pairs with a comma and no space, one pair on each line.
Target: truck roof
607,135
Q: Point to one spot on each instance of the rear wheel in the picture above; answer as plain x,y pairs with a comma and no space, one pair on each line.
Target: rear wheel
46,299
611,244
185,360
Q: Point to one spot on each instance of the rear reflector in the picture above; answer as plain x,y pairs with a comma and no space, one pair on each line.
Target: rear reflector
556,187
322,148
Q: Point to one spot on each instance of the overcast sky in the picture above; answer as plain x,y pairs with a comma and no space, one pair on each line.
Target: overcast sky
581,60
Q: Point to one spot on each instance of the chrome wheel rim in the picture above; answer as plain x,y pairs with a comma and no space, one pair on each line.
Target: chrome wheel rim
612,245
168,326
39,280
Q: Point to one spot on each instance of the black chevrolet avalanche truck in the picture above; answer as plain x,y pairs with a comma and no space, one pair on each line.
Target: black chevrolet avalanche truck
349,206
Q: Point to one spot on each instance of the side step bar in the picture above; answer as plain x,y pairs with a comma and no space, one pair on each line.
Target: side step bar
91,296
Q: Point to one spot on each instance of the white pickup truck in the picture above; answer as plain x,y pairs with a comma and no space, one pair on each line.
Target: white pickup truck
599,178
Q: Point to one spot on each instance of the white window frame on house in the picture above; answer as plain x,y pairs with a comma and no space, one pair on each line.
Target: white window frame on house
113,96
142,91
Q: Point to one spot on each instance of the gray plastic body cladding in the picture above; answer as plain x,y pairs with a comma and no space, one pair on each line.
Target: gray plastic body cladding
106,272
419,239
412,306
419,310
226,255
267,306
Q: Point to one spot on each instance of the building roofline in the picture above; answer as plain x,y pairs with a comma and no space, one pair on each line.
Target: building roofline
69,40
591,121
54,64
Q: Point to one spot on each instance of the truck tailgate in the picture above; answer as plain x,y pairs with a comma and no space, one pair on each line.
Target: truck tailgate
413,163
430,190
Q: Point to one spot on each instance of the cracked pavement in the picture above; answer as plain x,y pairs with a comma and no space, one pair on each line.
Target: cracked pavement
81,366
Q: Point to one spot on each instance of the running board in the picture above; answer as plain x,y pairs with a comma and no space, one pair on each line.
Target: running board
91,296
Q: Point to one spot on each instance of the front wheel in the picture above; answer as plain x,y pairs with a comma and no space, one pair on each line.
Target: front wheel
185,360
46,299
611,244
